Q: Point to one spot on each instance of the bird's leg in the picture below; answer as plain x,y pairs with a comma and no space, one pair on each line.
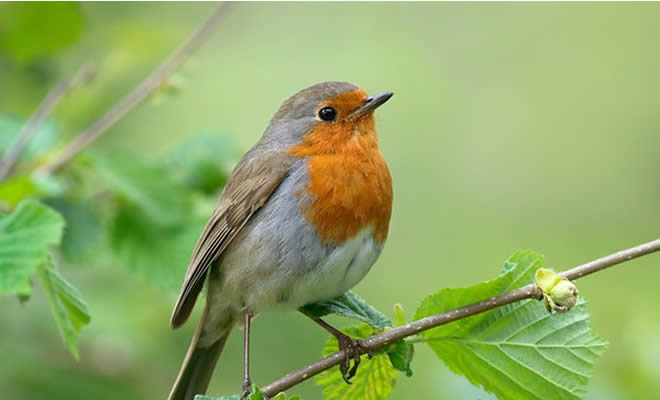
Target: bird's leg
352,349
247,383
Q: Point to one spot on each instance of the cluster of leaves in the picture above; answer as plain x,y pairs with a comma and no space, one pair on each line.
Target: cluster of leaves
25,238
516,351
519,349
105,208
512,351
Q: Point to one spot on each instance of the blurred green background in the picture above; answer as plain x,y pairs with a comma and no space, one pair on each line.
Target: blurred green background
513,126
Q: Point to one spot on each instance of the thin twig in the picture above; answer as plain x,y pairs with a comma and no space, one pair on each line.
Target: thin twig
530,291
47,105
139,93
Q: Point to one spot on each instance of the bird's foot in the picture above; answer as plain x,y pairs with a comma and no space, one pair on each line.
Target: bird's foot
352,348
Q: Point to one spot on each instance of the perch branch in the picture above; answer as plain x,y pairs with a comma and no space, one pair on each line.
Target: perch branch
139,93
530,291
47,105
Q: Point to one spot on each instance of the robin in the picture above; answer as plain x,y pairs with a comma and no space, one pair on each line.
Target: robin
302,218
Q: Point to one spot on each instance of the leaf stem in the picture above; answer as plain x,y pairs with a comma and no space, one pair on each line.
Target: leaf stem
420,339
530,291
139,93
47,105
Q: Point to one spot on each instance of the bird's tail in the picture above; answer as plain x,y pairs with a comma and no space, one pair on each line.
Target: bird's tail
198,366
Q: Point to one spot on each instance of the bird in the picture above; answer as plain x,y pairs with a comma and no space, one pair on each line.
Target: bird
301,219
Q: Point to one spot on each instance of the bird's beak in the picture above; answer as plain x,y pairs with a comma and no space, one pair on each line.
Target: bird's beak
371,103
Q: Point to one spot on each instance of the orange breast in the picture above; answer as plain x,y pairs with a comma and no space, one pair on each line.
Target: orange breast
349,184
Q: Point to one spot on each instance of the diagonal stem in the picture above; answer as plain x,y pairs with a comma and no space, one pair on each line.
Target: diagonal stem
47,105
530,291
139,93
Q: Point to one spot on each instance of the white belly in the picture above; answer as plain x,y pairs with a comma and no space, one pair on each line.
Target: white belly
339,272
251,278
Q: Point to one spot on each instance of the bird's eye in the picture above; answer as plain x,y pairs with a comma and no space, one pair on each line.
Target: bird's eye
327,114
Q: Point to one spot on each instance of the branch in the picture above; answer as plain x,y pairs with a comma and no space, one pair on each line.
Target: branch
139,93
530,291
47,105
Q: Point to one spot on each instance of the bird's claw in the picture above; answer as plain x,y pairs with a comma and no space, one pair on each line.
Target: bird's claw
352,348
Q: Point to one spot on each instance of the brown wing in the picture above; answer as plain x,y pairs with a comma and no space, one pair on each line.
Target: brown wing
248,188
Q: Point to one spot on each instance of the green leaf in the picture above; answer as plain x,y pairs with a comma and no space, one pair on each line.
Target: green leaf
516,351
158,253
84,232
50,185
375,377
30,31
401,355
146,186
69,310
399,317
402,352
25,236
204,163
349,305
16,189
42,140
